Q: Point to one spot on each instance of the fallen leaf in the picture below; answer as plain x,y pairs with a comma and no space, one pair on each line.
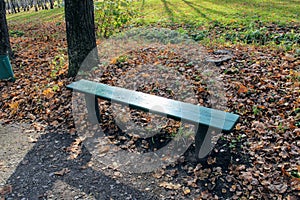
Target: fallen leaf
31,116
201,89
211,160
5,95
75,148
242,89
48,93
186,191
62,172
14,107
103,149
170,186
6,189
32,140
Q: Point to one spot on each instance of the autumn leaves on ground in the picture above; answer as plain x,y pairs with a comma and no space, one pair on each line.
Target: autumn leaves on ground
261,159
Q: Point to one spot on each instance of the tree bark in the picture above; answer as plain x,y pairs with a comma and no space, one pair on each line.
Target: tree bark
5,48
51,4
81,38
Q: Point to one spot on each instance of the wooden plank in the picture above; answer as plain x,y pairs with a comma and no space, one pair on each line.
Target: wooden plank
159,105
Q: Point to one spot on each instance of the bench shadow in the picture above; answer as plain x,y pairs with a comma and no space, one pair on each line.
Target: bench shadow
45,163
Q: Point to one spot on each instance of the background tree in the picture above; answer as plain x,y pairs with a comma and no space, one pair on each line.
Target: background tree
81,38
4,37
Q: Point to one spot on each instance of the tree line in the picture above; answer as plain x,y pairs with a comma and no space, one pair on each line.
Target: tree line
15,6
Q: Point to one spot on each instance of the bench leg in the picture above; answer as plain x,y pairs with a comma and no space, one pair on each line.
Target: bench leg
93,108
203,141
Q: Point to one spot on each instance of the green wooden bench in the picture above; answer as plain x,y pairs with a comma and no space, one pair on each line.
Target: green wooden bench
205,118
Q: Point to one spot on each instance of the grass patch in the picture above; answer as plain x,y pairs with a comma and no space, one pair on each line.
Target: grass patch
224,11
56,14
259,22
16,33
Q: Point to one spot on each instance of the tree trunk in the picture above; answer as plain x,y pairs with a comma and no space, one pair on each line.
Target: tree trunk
51,4
81,38
13,6
5,48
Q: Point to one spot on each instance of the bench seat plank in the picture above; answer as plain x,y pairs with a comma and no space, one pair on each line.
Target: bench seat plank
159,105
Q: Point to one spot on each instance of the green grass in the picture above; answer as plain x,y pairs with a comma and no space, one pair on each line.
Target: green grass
56,14
225,11
194,11
259,22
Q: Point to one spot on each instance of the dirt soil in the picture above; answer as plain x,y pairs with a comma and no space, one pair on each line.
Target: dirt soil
36,166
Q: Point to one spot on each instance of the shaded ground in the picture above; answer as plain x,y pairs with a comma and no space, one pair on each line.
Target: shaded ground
45,172
15,142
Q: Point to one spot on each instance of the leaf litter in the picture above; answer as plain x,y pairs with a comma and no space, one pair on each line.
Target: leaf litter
259,159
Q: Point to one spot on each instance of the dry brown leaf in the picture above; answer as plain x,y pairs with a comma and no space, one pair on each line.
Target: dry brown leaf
5,95
6,189
62,172
159,174
170,186
211,160
201,89
289,197
48,93
32,140
145,75
186,190
103,149
55,123
14,107
114,60
60,83
242,89
75,148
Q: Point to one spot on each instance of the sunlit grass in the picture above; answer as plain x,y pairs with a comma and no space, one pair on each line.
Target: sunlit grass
208,21
56,14
204,11
193,11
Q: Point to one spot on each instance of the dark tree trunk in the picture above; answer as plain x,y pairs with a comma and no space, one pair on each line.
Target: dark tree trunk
81,36
51,4
18,7
4,37
13,6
